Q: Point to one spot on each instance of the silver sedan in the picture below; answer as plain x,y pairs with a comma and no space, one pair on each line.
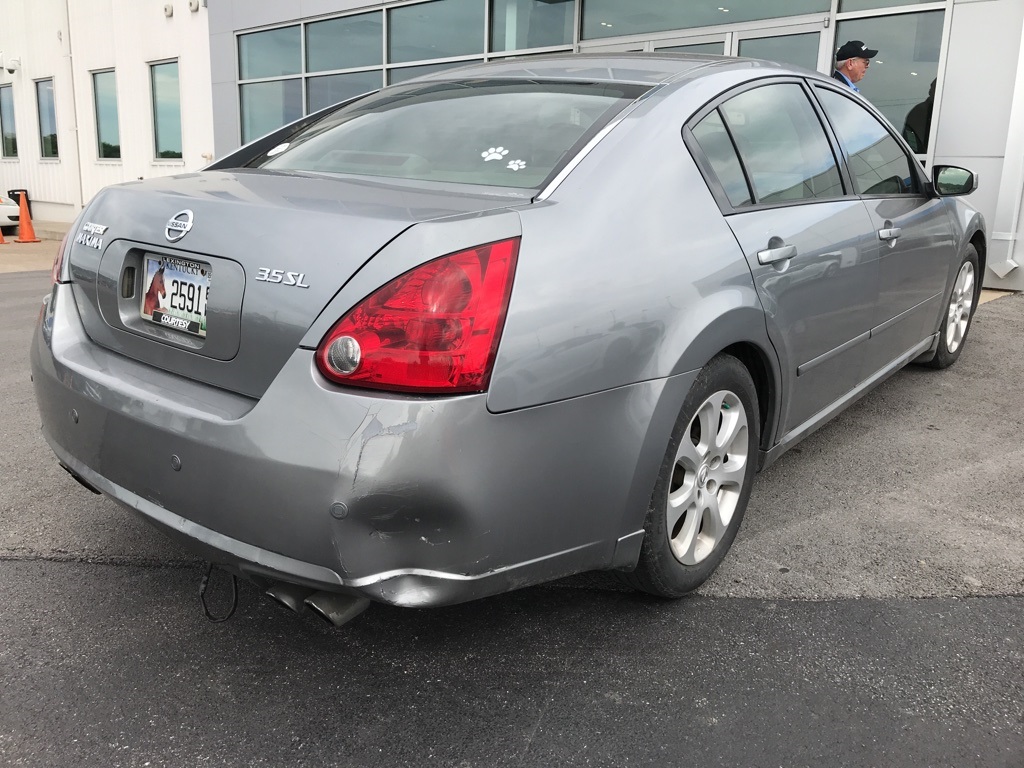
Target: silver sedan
500,324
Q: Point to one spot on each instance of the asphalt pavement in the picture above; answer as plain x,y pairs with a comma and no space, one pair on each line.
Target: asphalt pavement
870,613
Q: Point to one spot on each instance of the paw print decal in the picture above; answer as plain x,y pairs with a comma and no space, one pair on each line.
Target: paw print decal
516,165
494,153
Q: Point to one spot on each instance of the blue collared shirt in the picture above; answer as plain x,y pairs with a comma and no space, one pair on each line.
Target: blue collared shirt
848,81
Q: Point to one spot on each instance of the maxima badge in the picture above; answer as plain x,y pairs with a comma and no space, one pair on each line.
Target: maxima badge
179,225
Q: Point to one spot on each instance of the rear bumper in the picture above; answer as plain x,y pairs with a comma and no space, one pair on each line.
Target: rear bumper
403,500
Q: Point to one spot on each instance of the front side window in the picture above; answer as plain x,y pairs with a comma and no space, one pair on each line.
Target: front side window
166,109
877,161
108,137
783,145
493,132
7,132
47,119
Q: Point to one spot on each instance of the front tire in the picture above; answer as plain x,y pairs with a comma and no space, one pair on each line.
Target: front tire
959,312
704,483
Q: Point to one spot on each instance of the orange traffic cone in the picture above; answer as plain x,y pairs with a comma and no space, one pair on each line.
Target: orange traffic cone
2,241
25,232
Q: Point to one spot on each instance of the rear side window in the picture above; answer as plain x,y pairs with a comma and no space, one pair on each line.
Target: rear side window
717,147
782,144
877,161
498,133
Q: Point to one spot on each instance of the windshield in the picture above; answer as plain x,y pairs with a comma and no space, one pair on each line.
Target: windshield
511,133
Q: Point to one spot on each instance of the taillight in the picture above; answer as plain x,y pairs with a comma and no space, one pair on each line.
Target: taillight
434,329
58,262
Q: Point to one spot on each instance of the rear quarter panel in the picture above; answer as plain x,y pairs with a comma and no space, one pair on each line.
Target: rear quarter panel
628,272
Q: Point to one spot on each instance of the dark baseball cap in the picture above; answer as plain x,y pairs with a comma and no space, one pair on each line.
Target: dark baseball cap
855,49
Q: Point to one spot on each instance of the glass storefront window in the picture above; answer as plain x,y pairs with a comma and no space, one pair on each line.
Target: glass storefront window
108,137
611,18
47,119
799,50
870,5
345,43
166,109
901,80
435,30
401,74
518,24
270,54
718,48
330,89
267,106
10,137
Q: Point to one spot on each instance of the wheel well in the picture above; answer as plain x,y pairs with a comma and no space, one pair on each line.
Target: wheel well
757,364
978,241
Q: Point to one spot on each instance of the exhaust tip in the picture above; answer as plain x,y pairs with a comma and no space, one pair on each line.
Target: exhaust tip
337,608
291,596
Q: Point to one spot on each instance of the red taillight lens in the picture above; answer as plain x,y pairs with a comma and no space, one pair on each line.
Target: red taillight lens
58,262
435,329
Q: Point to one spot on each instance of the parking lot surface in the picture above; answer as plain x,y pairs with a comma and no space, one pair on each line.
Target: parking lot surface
869,613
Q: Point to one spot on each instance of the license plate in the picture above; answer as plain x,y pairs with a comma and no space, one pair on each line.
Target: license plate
175,293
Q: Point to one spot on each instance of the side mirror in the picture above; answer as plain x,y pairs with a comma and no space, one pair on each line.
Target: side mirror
950,180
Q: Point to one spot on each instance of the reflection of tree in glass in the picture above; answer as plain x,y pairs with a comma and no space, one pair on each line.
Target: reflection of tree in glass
50,145
108,150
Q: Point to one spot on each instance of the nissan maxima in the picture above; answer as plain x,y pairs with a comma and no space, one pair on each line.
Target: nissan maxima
500,324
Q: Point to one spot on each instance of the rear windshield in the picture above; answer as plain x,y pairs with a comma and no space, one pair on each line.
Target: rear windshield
499,133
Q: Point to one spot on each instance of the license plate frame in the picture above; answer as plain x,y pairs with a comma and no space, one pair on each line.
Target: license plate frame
175,293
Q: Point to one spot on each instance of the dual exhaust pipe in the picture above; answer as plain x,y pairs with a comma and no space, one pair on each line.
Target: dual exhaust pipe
339,609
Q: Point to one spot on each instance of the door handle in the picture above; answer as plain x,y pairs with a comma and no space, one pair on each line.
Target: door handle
771,255
889,234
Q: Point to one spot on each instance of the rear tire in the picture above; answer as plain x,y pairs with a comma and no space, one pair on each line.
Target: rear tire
704,482
959,312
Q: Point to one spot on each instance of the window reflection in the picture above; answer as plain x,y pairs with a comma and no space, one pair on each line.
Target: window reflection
330,89
269,54
610,18
166,109
351,41
783,146
47,119
877,162
108,141
799,50
435,30
518,24
266,106
10,138
902,74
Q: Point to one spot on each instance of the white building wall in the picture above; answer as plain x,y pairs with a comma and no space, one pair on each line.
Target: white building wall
35,32
71,39
982,79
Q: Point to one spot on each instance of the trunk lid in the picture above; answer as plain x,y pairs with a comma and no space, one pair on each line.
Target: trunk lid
270,250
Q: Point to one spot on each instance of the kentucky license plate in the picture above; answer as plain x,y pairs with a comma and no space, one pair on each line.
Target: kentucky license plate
175,293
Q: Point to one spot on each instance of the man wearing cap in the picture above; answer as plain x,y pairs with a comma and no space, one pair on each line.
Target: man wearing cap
852,62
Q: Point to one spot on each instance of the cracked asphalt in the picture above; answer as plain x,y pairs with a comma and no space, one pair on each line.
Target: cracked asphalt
870,613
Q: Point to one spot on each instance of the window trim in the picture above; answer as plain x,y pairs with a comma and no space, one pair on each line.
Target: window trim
156,159
56,131
96,117
711,178
14,132
924,187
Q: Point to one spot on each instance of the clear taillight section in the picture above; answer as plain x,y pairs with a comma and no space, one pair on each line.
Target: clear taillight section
435,329
58,262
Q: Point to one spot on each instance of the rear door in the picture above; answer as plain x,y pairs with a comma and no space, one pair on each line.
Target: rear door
913,237
807,243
